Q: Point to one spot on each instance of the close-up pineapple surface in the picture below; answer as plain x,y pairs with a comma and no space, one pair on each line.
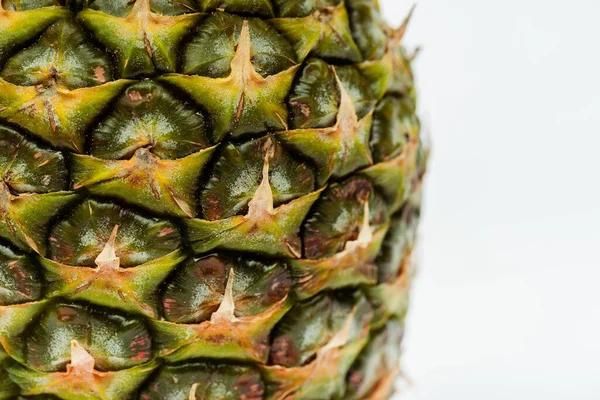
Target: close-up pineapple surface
204,199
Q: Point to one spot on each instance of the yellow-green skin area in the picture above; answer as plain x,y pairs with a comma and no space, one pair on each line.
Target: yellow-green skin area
204,199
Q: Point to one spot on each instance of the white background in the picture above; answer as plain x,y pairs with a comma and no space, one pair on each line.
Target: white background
506,303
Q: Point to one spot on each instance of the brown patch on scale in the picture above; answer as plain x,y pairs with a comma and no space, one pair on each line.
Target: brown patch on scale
37,155
217,339
20,273
142,355
279,288
169,304
134,95
248,388
140,345
254,229
165,231
65,314
211,266
356,378
214,209
99,73
302,107
283,352
356,189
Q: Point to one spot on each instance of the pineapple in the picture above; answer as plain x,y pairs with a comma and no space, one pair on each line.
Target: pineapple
204,199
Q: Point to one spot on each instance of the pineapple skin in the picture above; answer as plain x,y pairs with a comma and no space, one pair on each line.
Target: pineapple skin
205,199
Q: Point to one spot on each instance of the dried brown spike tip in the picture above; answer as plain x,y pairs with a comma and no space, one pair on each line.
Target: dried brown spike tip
192,395
107,257
82,363
399,33
227,308
341,338
261,204
140,9
365,235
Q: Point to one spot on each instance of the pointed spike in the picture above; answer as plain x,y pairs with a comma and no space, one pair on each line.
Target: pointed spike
347,120
242,71
401,31
141,7
346,102
241,63
227,308
262,201
108,257
192,395
365,235
243,47
341,338
82,362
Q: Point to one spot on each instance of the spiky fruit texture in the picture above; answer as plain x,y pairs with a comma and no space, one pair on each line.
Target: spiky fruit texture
204,199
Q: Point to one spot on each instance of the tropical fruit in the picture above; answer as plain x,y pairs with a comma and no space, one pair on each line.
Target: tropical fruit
211,199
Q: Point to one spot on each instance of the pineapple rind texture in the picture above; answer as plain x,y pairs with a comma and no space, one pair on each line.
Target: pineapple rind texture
205,199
